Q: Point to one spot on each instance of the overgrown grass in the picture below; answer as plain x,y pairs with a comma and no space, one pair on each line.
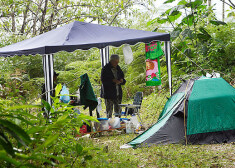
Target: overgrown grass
173,155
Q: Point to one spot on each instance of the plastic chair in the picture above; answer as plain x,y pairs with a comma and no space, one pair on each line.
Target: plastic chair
135,107
137,101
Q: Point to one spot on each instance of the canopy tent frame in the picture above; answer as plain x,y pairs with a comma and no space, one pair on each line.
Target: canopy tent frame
80,35
48,69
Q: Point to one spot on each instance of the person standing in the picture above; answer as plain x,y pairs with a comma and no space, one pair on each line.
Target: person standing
112,78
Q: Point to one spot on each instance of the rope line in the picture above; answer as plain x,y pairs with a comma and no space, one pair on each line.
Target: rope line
189,58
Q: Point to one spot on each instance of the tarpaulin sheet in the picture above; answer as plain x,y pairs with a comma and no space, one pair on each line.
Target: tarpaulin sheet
211,106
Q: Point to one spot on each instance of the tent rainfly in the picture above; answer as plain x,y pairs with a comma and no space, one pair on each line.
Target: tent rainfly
81,35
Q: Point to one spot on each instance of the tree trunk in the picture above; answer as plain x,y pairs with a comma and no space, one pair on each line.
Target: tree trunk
36,18
54,13
223,11
24,19
43,17
13,22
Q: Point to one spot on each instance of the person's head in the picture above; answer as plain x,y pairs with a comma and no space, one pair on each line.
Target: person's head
55,76
114,60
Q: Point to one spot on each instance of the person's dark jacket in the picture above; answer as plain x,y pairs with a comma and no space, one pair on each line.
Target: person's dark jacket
109,87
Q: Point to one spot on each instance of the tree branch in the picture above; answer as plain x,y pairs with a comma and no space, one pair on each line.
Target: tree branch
231,5
5,26
24,19
115,16
36,17
77,6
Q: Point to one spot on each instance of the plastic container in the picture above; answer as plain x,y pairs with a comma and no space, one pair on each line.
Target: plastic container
130,128
114,122
102,125
135,121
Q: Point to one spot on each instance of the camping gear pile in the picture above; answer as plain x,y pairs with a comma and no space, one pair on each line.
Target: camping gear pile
131,125
86,96
201,111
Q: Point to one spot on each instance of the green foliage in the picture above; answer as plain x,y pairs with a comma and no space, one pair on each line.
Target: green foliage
73,71
199,40
31,140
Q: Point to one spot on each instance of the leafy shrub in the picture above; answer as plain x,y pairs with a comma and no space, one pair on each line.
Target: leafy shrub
28,139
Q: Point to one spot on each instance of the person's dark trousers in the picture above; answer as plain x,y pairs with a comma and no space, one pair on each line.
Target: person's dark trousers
113,104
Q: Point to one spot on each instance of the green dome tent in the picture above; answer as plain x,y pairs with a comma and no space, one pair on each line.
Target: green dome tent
202,108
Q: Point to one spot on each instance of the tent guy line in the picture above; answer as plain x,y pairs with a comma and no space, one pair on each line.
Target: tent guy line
190,59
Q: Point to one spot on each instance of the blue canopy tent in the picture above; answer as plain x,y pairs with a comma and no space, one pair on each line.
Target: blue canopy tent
81,35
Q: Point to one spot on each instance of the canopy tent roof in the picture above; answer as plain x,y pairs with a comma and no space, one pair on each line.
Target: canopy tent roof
81,35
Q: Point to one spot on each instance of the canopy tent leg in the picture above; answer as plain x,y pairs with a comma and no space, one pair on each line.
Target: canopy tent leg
168,63
104,54
104,57
48,68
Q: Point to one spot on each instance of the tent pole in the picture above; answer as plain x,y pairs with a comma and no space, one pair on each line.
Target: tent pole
48,76
107,54
104,56
168,63
51,74
44,70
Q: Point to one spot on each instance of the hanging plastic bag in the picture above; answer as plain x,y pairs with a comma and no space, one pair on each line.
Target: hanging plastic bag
65,95
127,52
